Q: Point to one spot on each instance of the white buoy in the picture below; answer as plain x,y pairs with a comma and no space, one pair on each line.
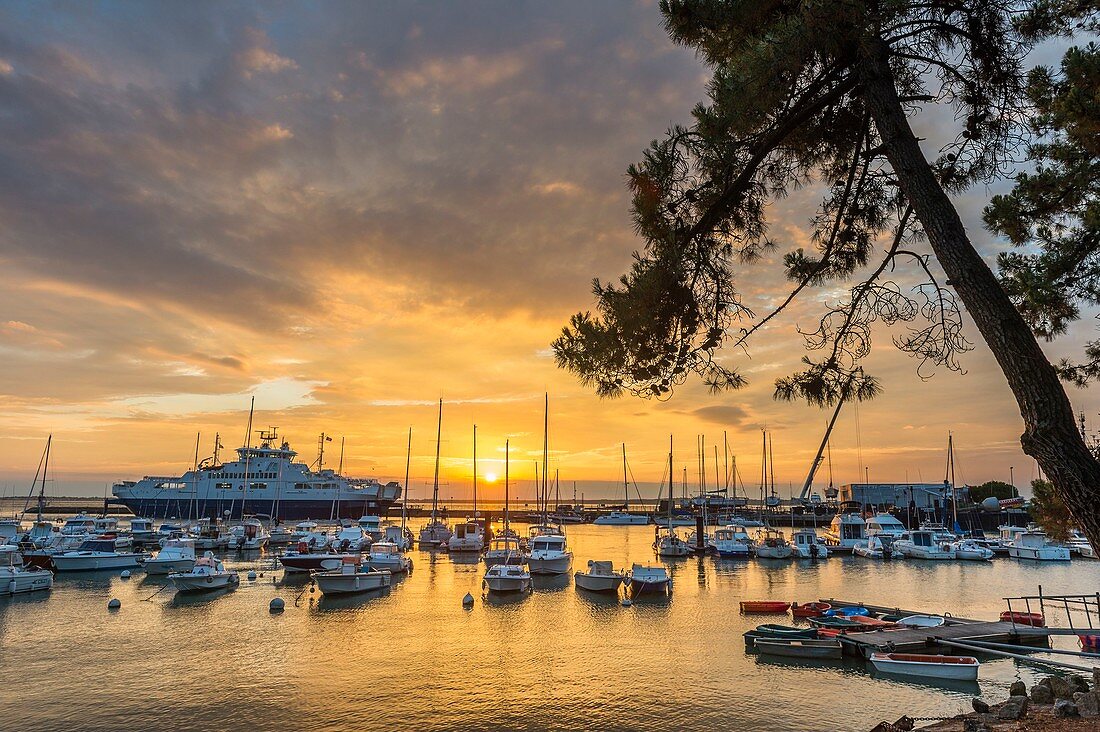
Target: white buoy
277,605
627,602
114,604
252,575
125,574
468,601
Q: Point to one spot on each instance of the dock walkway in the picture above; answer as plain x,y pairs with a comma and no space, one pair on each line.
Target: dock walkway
918,639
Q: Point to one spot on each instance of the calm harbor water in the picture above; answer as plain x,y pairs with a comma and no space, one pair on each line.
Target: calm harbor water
413,658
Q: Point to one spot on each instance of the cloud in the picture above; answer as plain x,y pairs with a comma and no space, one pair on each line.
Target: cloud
729,415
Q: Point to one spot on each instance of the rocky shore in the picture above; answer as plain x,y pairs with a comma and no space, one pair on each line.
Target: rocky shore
1055,703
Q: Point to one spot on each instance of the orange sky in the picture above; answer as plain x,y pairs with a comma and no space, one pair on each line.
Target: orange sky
349,214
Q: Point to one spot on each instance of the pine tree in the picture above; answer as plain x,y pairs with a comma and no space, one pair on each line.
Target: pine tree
822,92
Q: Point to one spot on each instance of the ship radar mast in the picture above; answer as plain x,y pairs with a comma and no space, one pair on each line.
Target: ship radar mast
269,436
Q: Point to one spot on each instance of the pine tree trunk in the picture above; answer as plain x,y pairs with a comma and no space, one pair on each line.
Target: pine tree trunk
1050,431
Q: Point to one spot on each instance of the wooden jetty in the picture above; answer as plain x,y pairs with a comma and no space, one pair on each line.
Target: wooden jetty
918,639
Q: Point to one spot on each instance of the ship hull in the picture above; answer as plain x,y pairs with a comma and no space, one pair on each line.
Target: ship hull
283,510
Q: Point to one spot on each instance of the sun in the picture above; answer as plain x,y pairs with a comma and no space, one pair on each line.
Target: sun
491,477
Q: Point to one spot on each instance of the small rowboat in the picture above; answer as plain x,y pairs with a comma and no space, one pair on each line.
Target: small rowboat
1034,619
835,623
764,607
774,632
810,609
873,622
846,612
921,621
804,648
940,667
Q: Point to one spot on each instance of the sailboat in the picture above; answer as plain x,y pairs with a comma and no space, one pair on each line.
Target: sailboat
469,536
624,517
548,552
435,534
667,542
505,548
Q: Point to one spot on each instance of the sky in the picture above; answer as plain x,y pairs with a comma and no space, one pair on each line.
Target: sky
352,210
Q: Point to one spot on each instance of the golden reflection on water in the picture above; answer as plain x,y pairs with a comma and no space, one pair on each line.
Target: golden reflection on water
411,657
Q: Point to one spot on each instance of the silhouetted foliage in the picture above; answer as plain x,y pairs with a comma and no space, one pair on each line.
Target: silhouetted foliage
1049,511
996,488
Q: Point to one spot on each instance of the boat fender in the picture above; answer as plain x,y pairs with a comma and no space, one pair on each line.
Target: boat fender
209,580
125,574
11,587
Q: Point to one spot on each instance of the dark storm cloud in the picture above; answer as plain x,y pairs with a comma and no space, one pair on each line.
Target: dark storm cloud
205,155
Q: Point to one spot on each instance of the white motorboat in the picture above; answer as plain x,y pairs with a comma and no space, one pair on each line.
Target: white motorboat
248,535
280,536
922,621
208,573
1079,544
398,536
9,530
644,580
306,559
352,539
805,545
1006,535
15,578
302,529
384,555
503,550
350,577
549,554
600,577
468,536
971,550
177,555
921,544
1034,544
963,668
772,545
732,541
142,531
846,530
80,525
879,546
507,578
95,554
210,534
621,518
371,526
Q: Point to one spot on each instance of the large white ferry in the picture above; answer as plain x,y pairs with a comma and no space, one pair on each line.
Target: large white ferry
262,481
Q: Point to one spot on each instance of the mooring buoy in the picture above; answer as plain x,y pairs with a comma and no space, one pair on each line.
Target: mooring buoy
468,600
252,575
277,605
125,574
114,604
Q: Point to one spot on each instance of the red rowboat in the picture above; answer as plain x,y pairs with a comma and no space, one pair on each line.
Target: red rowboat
873,622
810,609
764,607
1034,619
1090,642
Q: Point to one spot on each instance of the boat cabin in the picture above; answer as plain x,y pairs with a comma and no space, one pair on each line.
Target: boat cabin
82,524
106,546
468,529
548,543
384,549
805,538
1008,534
923,537
884,523
372,526
847,529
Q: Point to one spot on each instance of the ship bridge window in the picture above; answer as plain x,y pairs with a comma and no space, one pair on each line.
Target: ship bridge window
224,486
300,486
261,486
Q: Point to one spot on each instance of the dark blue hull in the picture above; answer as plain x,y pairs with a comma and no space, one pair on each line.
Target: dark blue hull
167,508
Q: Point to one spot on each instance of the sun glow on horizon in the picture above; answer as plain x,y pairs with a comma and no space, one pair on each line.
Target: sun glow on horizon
490,477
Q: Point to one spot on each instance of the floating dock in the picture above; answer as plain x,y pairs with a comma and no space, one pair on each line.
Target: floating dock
920,639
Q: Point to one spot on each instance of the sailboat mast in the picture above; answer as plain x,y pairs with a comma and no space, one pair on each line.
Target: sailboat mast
545,455
45,467
247,455
808,484
435,480
507,447
626,488
475,471
194,478
405,497
670,482
951,476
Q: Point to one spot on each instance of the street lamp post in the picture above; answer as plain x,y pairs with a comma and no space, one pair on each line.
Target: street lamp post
1012,481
